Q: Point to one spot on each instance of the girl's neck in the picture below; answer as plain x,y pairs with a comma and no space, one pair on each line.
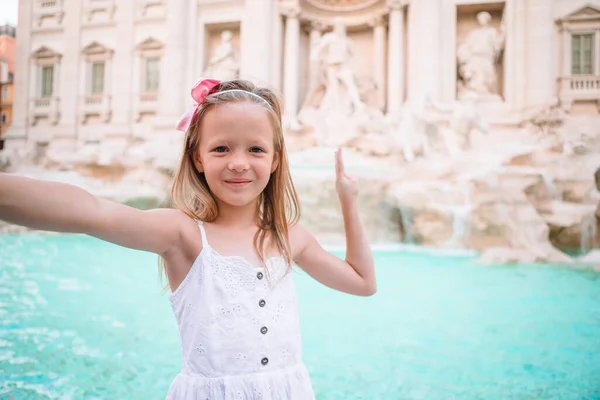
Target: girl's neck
239,216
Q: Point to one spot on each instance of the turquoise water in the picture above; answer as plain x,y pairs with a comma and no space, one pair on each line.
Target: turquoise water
84,319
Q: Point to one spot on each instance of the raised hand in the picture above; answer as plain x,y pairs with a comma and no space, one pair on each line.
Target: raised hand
346,186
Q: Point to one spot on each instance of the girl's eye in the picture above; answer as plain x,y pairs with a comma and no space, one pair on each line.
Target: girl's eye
256,150
220,149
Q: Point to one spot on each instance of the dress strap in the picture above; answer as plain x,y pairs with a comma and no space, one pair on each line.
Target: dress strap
203,233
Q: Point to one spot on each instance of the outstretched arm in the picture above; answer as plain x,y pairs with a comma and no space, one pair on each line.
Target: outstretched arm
60,207
355,274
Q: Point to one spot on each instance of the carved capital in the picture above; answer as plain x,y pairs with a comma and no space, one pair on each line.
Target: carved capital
290,10
376,21
317,26
395,5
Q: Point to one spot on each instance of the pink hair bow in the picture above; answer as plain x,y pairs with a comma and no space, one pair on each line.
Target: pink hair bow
199,92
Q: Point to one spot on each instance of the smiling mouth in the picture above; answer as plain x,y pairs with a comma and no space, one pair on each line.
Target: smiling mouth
238,182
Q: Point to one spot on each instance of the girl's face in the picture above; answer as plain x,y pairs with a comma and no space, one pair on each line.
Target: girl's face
236,152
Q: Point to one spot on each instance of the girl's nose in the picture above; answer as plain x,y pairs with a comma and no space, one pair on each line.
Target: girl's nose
238,164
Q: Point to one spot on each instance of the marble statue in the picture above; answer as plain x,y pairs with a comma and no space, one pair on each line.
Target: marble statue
416,128
477,57
333,56
465,118
223,63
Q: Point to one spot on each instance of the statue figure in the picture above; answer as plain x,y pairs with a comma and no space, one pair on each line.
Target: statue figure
223,64
414,131
333,54
478,56
464,119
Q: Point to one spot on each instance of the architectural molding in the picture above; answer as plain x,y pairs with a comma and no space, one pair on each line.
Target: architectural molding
45,55
290,10
582,13
44,9
342,5
92,7
149,44
395,4
96,51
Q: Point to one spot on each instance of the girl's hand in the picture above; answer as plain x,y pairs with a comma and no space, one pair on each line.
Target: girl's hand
346,186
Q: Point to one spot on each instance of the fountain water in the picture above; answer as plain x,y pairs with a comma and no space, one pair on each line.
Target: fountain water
552,191
461,219
406,220
589,232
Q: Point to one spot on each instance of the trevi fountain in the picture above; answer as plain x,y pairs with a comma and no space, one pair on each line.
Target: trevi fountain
472,125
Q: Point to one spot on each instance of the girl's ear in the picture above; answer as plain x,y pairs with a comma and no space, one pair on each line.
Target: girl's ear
275,163
198,163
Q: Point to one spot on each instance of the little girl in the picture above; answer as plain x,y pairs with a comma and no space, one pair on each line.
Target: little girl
227,246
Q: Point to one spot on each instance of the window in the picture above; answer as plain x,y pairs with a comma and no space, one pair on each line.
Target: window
582,54
3,118
152,74
47,81
4,93
97,78
96,62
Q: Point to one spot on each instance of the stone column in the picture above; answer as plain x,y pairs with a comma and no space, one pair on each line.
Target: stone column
448,53
200,47
542,54
316,29
118,80
424,67
174,90
378,25
565,36
25,74
277,43
70,72
192,71
291,61
514,55
256,33
395,87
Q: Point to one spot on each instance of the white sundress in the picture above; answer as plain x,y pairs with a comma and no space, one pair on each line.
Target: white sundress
240,332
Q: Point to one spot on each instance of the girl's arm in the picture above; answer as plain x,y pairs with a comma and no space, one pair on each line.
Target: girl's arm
355,274
60,207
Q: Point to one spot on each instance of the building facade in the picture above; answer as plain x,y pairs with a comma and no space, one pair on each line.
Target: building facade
91,70
7,71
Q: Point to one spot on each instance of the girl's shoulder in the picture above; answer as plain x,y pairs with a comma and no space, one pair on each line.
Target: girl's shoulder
180,218
299,238
188,228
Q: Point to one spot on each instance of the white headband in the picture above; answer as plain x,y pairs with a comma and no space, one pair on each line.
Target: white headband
242,91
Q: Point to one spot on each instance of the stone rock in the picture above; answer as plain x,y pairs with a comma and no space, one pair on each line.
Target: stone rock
321,212
591,260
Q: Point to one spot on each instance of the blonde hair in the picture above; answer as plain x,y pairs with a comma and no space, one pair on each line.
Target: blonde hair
278,203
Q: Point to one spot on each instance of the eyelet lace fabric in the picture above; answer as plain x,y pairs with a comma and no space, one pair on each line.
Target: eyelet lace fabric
240,332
